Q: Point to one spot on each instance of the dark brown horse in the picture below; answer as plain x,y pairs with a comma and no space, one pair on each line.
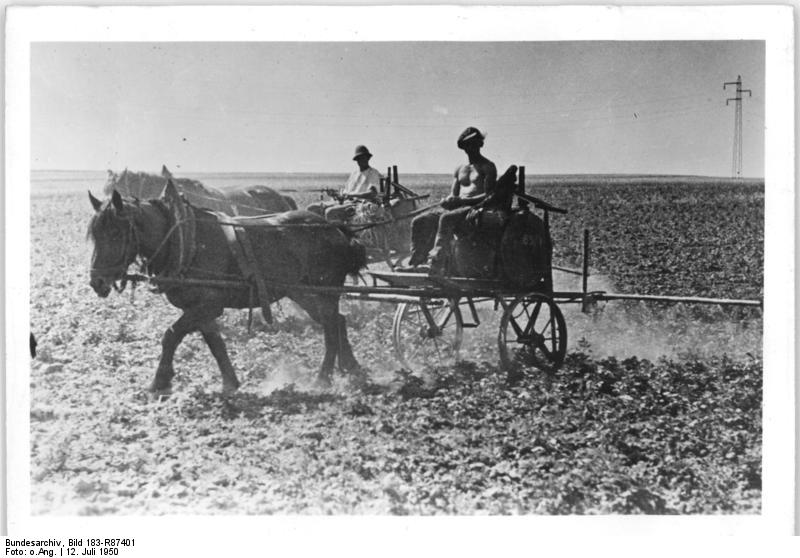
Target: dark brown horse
242,200
292,248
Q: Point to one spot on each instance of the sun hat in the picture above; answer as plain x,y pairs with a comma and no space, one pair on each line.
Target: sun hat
469,135
361,150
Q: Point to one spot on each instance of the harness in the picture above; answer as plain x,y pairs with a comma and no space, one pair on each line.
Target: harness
184,229
184,242
242,250
119,267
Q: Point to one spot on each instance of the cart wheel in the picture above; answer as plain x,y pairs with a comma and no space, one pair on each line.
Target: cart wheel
532,334
427,334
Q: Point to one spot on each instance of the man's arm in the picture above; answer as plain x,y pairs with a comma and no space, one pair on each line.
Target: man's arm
373,184
349,185
490,178
365,196
455,189
373,180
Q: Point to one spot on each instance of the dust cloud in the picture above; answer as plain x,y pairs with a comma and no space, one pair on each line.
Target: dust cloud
652,330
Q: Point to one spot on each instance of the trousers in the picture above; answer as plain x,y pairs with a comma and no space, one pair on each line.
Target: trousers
333,211
432,234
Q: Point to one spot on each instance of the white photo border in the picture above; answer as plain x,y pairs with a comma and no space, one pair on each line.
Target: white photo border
183,535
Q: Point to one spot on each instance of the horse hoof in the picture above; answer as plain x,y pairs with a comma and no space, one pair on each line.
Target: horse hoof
361,382
323,382
229,389
358,373
160,394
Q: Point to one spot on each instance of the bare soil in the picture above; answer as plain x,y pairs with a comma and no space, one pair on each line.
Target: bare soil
657,409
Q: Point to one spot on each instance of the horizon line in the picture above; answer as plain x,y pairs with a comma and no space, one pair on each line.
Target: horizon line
418,173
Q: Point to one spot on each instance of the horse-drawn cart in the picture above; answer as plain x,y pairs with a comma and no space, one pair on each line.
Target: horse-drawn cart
432,310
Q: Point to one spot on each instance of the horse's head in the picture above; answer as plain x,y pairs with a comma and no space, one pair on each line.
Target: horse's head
116,242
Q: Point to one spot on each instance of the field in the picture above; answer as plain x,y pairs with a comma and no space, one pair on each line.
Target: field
656,411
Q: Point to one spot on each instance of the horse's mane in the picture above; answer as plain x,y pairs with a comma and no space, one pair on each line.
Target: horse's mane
147,186
247,199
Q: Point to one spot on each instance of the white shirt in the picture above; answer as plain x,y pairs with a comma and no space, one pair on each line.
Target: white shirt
360,181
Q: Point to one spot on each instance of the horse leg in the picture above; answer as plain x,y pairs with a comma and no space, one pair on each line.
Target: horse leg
347,361
334,321
212,337
162,383
319,311
331,349
190,321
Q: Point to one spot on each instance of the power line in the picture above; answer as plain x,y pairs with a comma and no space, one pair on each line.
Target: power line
736,164
562,121
553,114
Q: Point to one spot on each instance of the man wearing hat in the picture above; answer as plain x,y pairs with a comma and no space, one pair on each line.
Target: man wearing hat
365,181
363,184
471,182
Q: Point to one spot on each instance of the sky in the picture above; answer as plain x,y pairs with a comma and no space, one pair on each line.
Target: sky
655,107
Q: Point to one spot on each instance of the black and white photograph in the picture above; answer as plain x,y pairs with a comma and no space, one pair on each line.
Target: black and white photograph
399,262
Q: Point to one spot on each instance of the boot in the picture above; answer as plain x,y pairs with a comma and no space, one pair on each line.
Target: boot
438,262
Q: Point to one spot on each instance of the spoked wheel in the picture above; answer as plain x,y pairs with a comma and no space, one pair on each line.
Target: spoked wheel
427,334
533,334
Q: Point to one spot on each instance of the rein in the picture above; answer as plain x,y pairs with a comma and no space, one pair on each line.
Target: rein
353,228
370,225
232,204
163,243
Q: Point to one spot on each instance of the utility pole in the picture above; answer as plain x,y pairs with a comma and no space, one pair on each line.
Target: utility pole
736,165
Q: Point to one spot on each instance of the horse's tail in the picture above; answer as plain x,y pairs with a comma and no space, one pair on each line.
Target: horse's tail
356,258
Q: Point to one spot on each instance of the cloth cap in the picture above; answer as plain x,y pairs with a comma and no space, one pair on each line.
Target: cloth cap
361,150
469,135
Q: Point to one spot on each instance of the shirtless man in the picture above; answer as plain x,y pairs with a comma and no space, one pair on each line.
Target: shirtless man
472,182
475,178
